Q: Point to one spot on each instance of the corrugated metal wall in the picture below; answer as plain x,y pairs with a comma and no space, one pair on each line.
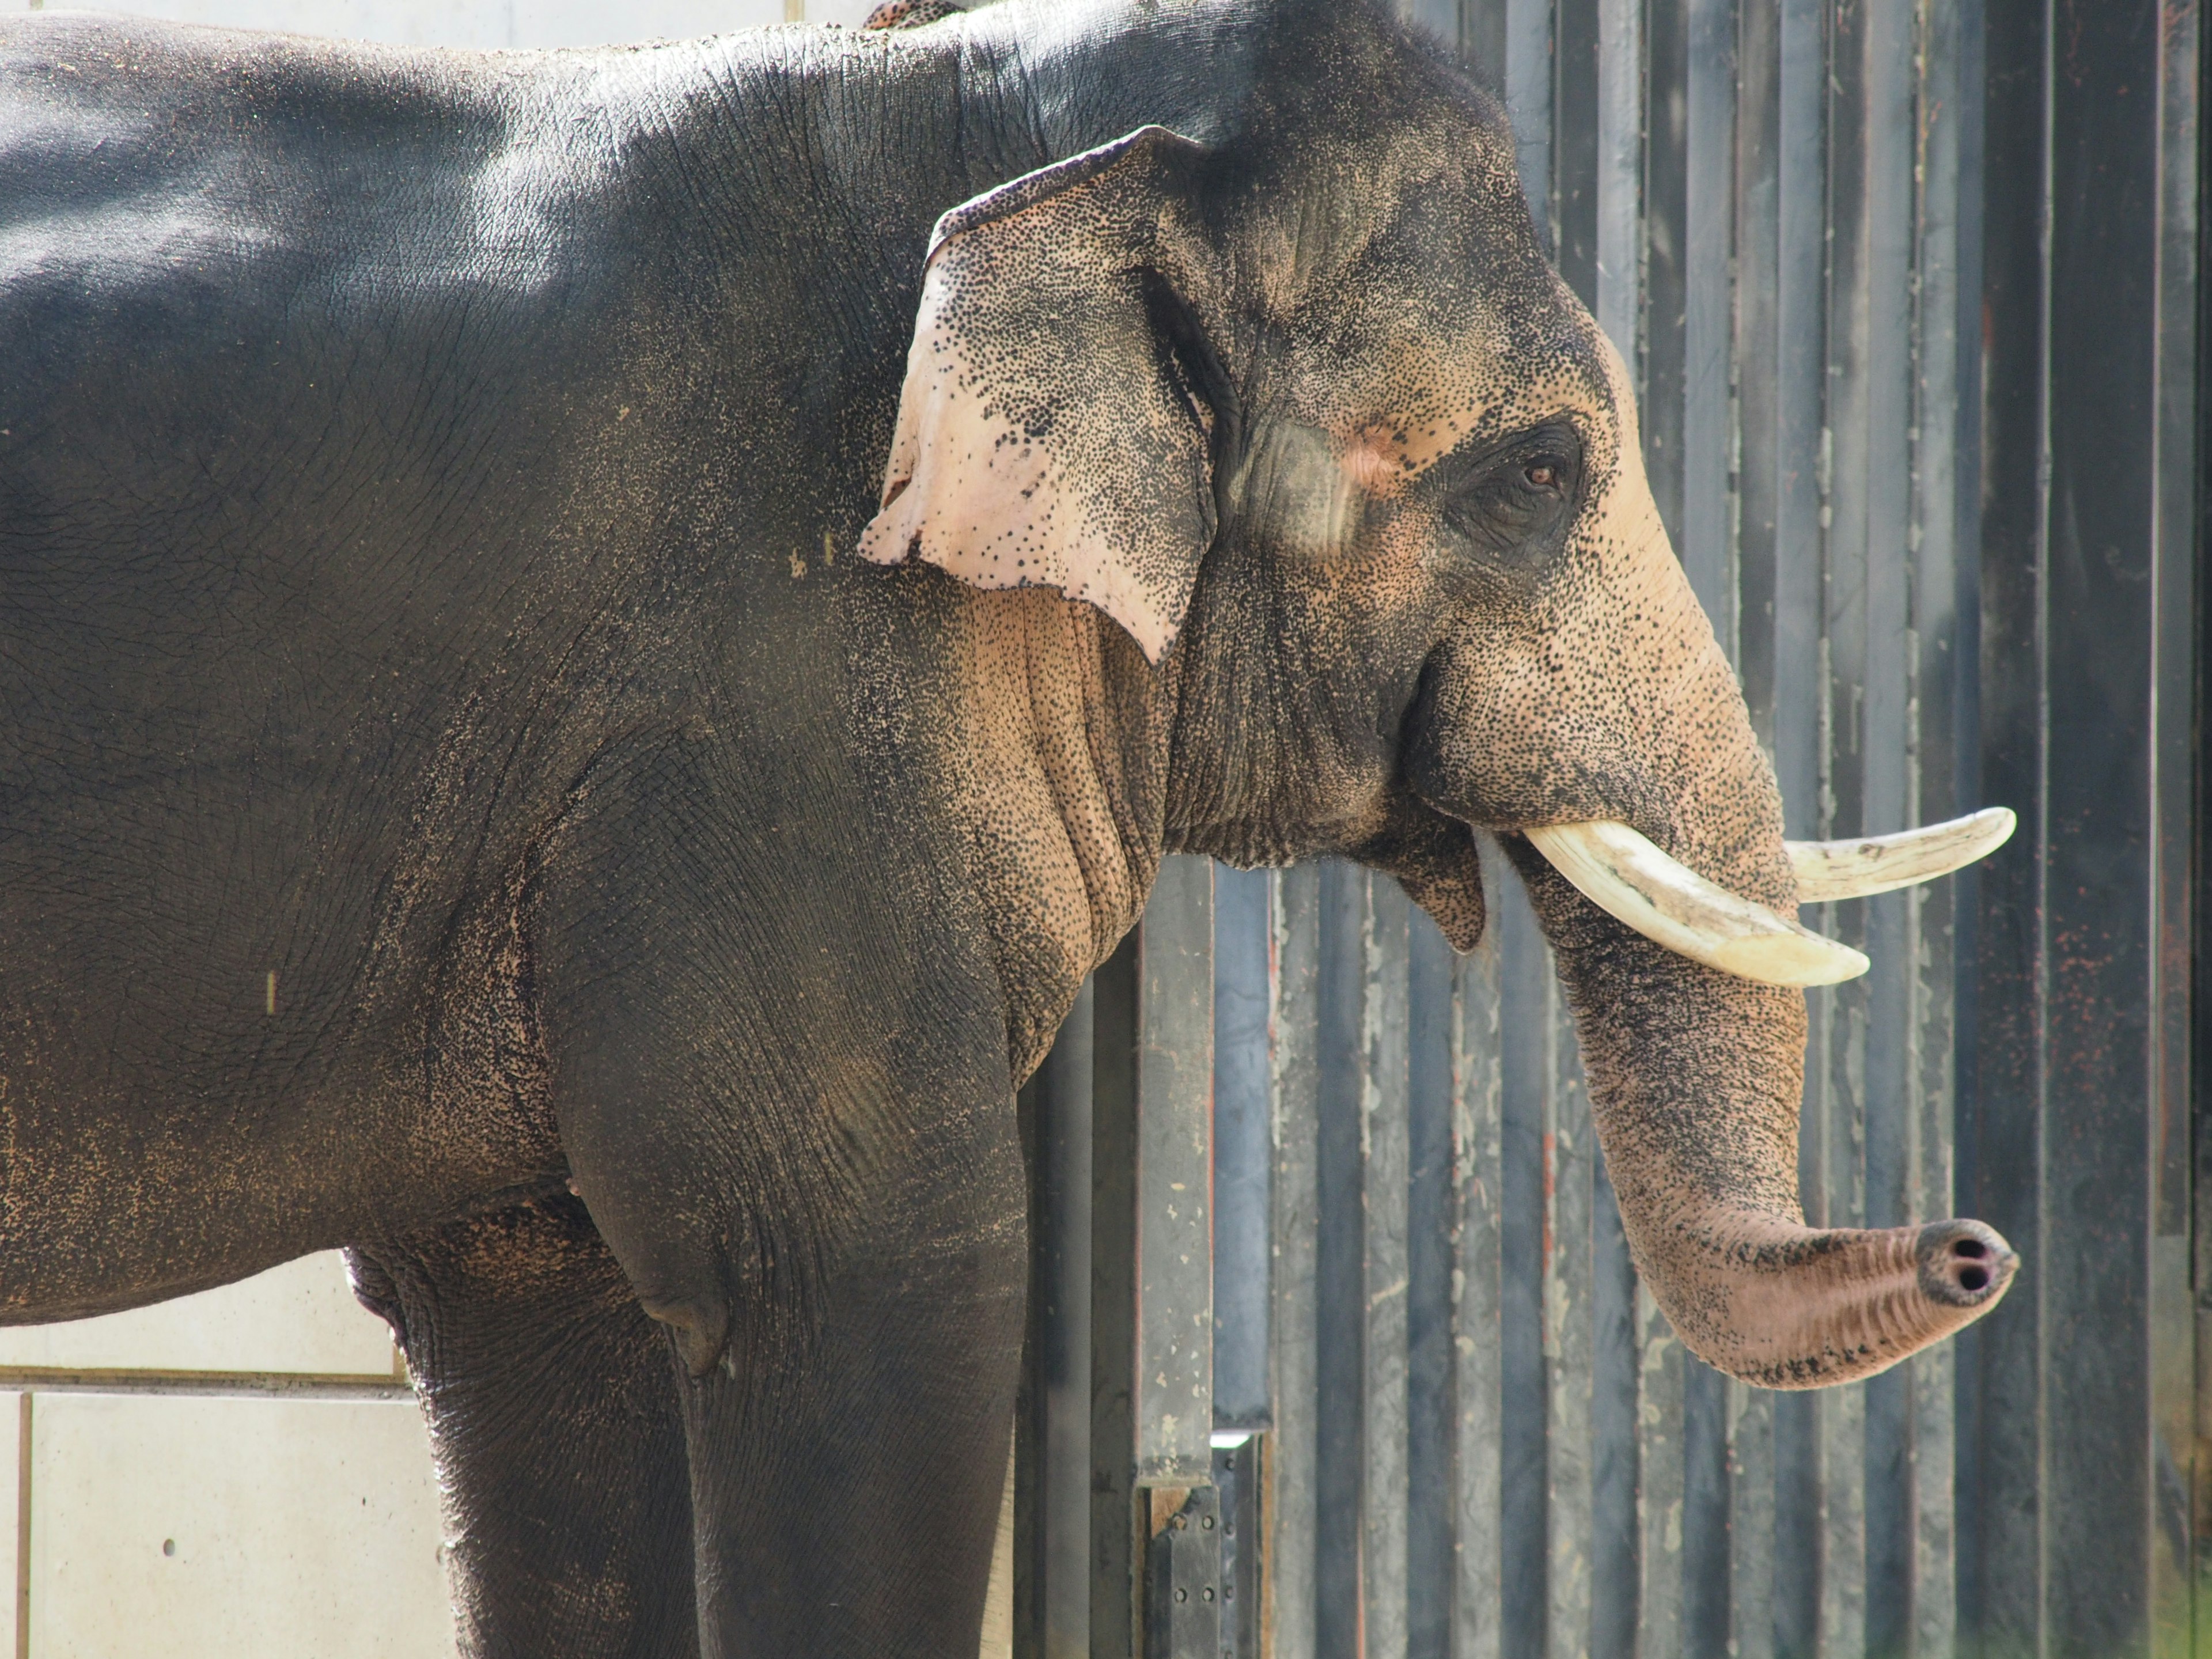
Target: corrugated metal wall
1910,290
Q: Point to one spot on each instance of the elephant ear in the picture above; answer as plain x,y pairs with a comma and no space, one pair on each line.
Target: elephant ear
1052,430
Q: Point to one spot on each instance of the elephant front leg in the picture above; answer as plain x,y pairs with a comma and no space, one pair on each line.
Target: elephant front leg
846,1486
556,1423
846,1386
783,1091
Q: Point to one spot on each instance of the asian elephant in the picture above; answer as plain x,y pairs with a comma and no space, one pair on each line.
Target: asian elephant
582,690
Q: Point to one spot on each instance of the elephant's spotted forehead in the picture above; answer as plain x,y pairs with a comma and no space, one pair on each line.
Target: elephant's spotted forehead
1437,321
1390,432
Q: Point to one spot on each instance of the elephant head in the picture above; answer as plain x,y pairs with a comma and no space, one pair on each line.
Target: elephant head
1301,406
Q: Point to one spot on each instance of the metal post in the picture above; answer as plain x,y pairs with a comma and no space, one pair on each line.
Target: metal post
1154,1524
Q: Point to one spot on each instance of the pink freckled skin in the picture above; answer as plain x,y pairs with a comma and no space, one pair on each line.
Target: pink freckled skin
1376,462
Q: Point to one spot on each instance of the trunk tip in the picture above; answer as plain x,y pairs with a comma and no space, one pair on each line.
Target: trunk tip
1964,1264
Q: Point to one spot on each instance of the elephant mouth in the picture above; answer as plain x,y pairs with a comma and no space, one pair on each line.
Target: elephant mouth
1624,874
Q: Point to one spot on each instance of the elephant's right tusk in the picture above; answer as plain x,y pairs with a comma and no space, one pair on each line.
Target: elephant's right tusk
1830,870
1632,881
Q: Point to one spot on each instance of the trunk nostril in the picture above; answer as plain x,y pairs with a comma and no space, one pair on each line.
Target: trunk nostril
1964,1263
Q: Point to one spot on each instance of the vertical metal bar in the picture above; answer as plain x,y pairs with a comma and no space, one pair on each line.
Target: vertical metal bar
1616,1417
1596,162
1943,146
1339,1279
1799,353
1182,1572
1666,275
1615,293
1478,1623
1436,18
1244,1150
1482,37
1969,88
1151,1261
1708,495
2174,1357
1115,1563
2097,724
1708,260
1290,1464
1965,680
1659,1496
1238,1477
1570,1153
1528,81
2000,1583
1752,1540
1431,1217
1705,1475
1057,1608
2199,912
1174,1361
1575,123
1665,301
1757,146
1867,1559
1525,989
1618,187
1027,1551
1384,1269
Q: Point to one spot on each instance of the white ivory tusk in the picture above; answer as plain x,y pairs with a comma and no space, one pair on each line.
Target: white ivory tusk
1630,880
1830,870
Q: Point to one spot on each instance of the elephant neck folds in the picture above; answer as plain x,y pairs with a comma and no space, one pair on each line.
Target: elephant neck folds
1058,773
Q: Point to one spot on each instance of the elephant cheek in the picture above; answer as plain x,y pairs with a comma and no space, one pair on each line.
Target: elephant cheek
1489,743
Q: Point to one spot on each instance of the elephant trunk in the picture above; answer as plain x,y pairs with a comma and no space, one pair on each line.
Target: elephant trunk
1695,1078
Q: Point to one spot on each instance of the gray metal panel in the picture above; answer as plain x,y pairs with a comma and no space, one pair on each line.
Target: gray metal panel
2175,1354
1244,1149
1293,1454
1524,1050
1477,1625
1173,1370
1384,1189
1945,332
1434,1273
1659,1488
1571,1156
1053,1609
1432,1218
1115,1564
1339,1285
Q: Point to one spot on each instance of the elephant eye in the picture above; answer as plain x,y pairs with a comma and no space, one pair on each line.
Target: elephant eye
1514,501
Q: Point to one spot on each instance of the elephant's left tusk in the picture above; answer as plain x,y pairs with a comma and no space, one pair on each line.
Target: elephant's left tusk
1626,877
1830,870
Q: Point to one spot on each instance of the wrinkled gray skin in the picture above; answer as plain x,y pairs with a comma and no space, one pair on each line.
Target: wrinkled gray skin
433,489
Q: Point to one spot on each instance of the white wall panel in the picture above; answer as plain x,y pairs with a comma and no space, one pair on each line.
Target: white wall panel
237,1528
301,1317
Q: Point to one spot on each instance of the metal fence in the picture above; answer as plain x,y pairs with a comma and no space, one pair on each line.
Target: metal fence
1910,289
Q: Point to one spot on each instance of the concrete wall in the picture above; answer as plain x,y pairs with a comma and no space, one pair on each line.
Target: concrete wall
239,1473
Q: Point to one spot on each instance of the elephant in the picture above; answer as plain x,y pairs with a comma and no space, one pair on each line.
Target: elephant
596,642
